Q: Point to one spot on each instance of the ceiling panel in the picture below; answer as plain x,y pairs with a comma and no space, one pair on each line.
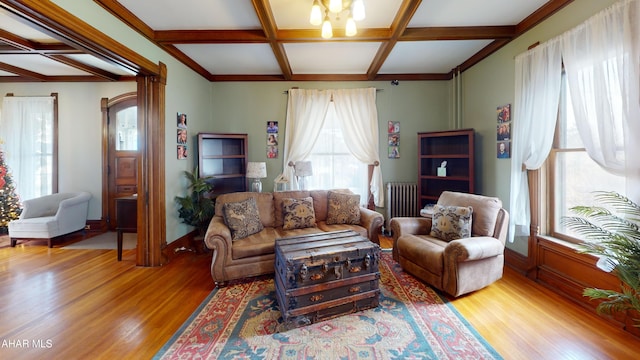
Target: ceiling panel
42,65
194,14
331,57
234,59
430,57
229,40
473,12
294,14
4,73
23,30
98,63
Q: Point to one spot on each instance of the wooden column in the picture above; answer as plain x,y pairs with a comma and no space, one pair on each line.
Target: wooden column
151,169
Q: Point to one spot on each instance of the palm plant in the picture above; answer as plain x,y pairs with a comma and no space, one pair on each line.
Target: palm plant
197,208
613,237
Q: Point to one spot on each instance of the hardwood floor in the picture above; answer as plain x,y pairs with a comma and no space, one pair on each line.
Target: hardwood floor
81,304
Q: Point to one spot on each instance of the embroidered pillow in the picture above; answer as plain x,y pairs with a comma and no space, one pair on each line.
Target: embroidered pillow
242,218
298,213
451,222
343,208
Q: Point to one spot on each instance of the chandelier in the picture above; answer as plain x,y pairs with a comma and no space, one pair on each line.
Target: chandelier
355,9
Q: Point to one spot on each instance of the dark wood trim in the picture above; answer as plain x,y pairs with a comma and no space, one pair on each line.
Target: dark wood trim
516,261
31,75
105,104
96,226
540,15
458,33
151,169
398,31
104,109
56,141
116,9
185,243
311,35
84,67
268,22
398,26
151,80
55,21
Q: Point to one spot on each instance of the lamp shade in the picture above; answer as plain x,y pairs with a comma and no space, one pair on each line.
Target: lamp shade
256,170
303,168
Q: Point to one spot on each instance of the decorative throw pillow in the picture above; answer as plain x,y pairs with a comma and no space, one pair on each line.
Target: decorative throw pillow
451,222
298,213
242,218
343,208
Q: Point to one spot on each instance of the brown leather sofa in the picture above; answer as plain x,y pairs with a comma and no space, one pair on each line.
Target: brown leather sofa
254,255
457,266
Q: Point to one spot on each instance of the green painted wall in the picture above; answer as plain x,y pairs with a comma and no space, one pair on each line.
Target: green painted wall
186,91
490,84
79,131
245,107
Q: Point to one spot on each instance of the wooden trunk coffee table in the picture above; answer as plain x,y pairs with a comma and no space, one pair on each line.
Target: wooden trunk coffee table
323,275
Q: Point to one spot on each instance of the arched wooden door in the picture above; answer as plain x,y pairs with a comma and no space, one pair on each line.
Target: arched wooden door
121,151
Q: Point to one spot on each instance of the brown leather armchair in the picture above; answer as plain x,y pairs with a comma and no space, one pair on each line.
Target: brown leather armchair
459,266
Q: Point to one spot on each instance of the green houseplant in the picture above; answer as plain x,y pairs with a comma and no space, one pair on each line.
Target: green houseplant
196,208
614,237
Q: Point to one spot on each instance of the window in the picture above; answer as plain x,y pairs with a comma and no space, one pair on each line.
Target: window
333,165
572,175
28,129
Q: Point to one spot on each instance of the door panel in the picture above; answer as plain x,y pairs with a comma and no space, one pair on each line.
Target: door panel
122,155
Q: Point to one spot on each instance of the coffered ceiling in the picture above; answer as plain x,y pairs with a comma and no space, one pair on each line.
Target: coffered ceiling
253,40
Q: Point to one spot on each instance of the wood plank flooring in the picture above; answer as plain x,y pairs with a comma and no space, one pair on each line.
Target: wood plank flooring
83,304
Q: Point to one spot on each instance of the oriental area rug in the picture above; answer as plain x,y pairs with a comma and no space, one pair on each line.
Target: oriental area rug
242,321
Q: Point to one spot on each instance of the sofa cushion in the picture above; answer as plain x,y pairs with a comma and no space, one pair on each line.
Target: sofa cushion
343,208
259,244
263,200
423,250
298,213
320,203
451,222
485,210
278,197
322,225
242,218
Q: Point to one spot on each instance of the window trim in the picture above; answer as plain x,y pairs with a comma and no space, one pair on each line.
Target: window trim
54,152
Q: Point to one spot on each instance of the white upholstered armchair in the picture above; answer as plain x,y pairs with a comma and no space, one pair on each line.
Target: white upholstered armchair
49,216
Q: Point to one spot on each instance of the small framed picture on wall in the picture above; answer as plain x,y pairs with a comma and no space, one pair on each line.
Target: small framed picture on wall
182,121
182,152
504,150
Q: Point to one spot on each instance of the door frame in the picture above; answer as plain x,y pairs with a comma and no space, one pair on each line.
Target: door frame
151,82
105,105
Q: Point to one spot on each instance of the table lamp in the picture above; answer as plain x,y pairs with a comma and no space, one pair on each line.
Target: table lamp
256,171
303,169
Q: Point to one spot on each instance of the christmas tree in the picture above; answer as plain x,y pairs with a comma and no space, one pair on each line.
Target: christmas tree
9,200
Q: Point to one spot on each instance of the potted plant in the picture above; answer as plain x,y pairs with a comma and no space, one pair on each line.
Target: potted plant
613,237
197,208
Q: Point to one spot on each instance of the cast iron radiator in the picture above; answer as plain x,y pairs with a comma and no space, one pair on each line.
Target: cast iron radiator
402,200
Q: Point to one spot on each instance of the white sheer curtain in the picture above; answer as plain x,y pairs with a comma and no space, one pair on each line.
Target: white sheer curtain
538,82
26,129
306,111
601,61
356,109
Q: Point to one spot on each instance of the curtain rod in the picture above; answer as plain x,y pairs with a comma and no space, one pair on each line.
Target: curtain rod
12,95
287,91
